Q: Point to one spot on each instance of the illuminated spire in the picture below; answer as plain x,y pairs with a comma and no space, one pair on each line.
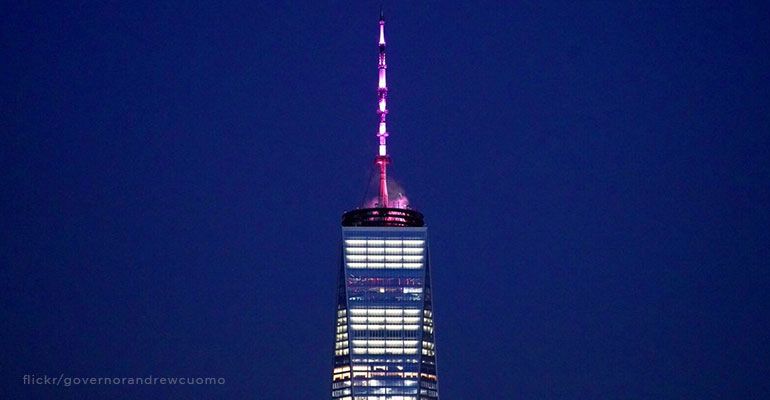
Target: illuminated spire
382,158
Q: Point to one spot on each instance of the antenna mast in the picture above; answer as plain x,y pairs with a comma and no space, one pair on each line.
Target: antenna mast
382,160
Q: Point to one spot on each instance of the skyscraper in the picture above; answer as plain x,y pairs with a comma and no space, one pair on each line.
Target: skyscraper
384,338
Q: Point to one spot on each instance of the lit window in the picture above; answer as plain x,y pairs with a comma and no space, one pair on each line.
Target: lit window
412,250
356,250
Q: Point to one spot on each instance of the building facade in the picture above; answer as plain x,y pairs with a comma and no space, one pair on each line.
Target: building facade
384,347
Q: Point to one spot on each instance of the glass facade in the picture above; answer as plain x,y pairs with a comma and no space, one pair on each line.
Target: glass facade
384,347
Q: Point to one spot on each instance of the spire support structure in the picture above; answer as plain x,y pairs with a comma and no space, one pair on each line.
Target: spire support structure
382,160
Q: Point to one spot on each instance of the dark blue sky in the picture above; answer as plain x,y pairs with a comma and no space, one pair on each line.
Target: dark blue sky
594,176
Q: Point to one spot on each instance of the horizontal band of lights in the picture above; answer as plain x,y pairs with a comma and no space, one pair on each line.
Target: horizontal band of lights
384,253
385,360
377,327
343,368
385,320
363,367
383,250
380,397
385,311
386,343
385,350
379,258
390,290
340,376
383,391
383,374
372,265
381,382
386,243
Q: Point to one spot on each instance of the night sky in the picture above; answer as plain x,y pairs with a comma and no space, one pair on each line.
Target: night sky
595,177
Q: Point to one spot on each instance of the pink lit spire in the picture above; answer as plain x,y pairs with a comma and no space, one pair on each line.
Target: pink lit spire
382,160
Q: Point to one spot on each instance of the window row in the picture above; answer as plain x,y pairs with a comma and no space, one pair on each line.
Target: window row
385,311
387,242
384,350
372,327
380,258
383,250
385,320
386,343
388,265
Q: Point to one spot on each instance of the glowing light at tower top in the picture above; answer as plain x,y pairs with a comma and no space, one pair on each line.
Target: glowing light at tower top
390,207
382,160
382,92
